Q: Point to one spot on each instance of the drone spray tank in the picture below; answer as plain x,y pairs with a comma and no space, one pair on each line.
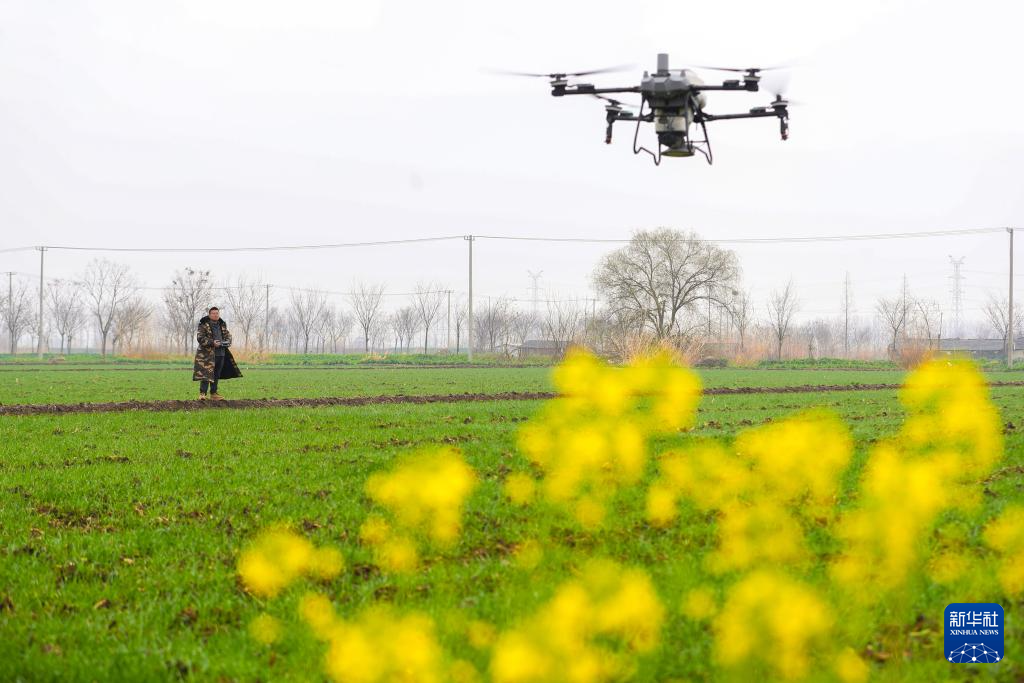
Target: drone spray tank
673,103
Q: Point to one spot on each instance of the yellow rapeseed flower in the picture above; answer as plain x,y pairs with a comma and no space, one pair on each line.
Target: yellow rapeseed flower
520,487
772,619
265,629
568,638
850,668
528,554
425,492
1006,535
273,561
316,610
381,646
594,442
700,603
950,439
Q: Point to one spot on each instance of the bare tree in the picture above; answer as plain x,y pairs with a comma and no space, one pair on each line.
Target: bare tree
927,319
277,330
130,321
339,329
307,306
324,325
378,332
107,286
741,310
863,336
996,310
247,300
405,323
821,333
366,303
428,300
520,325
185,301
64,300
661,276
893,313
16,309
564,322
491,321
782,305
459,314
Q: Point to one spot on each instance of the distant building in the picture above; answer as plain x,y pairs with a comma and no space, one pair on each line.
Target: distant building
549,348
991,349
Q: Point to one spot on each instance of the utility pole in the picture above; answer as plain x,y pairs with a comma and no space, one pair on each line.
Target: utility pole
1009,317
469,329
958,295
906,314
10,305
846,315
709,312
266,320
448,325
39,344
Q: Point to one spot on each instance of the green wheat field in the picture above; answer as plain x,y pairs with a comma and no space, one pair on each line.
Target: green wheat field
120,532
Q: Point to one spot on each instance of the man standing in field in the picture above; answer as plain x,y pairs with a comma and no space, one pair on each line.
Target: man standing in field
214,361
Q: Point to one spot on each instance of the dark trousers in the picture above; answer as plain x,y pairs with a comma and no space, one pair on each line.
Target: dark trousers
218,365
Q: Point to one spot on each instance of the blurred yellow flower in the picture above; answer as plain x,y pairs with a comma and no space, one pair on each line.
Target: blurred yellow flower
594,441
850,668
381,645
425,492
950,438
520,487
772,619
1006,534
528,554
274,560
568,638
700,603
265,629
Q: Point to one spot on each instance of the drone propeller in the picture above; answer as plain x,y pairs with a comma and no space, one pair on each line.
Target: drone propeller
777,86
615,104
563,75
749,70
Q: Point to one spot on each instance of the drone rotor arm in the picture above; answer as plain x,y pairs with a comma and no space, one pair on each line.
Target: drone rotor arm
587,89
778,111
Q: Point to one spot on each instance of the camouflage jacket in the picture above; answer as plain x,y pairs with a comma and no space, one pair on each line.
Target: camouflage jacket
203,366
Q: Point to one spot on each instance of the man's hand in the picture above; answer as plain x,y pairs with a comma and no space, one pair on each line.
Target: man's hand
216,342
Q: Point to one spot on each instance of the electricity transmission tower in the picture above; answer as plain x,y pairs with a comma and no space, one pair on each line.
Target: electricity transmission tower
535,289
958,295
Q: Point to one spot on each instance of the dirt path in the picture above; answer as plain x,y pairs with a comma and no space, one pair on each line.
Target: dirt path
166,406
124,367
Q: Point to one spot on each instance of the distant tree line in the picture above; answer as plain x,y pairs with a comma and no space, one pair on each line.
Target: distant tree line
664,287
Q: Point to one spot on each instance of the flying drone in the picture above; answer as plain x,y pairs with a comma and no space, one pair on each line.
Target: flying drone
673,100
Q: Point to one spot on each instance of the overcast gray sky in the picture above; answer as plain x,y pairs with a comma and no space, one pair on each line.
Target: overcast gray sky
218,123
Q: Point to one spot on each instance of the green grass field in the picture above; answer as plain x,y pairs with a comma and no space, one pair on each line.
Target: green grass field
74,385
119,532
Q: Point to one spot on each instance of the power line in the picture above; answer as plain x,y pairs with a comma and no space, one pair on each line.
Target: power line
761,240
289,247
591,240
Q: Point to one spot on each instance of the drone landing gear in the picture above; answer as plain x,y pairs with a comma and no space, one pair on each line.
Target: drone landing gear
675,143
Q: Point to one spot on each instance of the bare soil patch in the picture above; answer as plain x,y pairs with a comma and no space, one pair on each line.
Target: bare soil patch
184,405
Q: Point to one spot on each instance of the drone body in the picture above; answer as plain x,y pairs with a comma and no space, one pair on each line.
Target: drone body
674,101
